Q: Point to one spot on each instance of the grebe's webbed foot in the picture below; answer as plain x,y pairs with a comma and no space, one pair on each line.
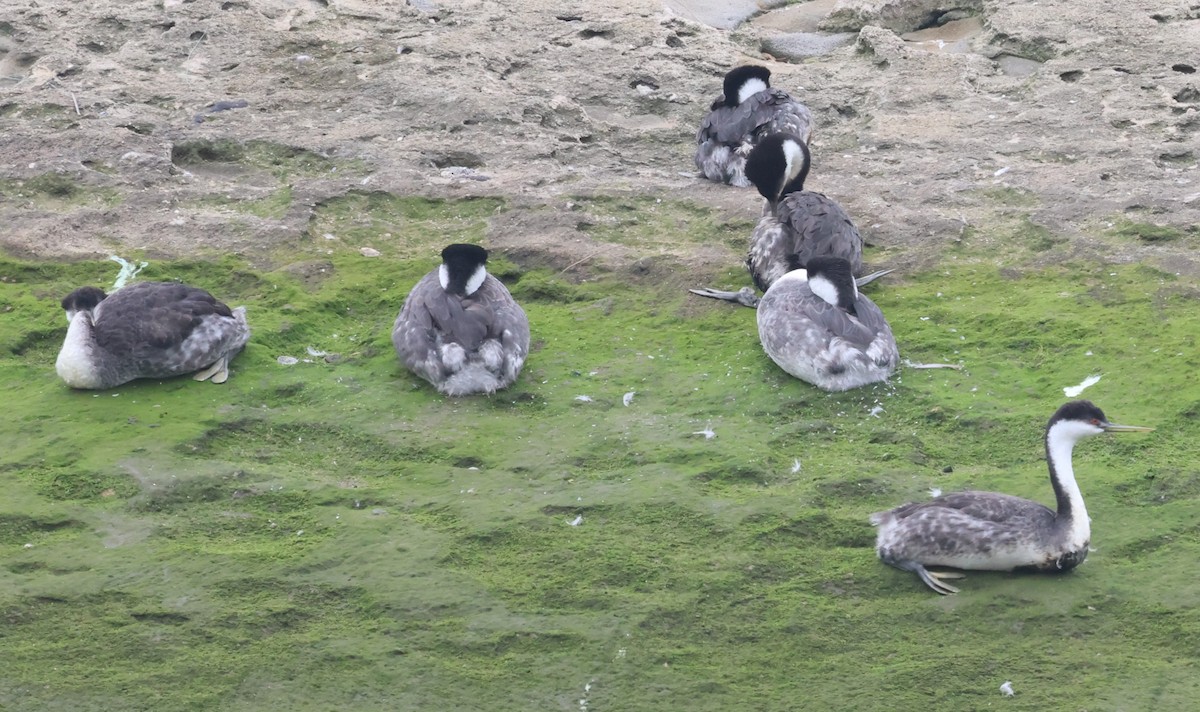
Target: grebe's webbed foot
218,371
933,579
744,296
867,279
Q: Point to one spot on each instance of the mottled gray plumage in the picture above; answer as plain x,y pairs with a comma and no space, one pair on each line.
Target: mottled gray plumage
462,343
796,225
999,532
800,226
148,330
732,128
830,345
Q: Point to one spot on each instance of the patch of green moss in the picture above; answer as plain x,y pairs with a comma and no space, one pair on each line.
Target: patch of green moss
385,547
274,205
281,160
1009,196
58,191
654,225
1145,232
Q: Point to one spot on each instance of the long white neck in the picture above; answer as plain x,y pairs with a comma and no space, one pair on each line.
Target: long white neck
77,360
1060,443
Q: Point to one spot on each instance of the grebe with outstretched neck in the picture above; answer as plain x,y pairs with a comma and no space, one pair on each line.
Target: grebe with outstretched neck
990,531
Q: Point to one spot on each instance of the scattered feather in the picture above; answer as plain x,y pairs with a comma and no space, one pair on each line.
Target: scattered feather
628,398
1074,391
1006,688
584,399
314,352
576,521
935,492
795,465
128,271
914,364
876,411
707,432
288,360
1002,171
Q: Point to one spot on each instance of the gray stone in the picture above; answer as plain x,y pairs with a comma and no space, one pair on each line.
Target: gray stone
721,14
1017,66
896,15
797,46
883,43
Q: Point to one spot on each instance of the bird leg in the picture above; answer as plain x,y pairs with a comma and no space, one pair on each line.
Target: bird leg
932,579
218,371
744,296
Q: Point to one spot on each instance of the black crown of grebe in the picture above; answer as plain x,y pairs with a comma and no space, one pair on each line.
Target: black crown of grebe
748,111
463,268
816,326
997,532
148,330
460,329
797,225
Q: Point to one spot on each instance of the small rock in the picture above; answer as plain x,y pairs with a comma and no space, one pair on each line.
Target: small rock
369,251
797,46
464,173
884,44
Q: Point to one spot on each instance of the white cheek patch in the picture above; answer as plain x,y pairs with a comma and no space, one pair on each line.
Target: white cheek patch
824,289
444,276
476,279
750,88
794,156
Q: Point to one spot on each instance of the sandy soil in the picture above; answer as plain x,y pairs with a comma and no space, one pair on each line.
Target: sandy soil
542,103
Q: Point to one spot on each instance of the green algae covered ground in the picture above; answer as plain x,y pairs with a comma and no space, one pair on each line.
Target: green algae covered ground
335,535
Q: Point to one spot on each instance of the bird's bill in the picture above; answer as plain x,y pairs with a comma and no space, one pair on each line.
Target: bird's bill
1115,428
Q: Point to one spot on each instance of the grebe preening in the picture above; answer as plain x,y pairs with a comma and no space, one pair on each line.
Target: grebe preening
748,111
148,330
796,226
990,531
460,329
815,325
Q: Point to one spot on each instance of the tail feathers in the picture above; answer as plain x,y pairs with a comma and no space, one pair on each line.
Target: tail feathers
473,378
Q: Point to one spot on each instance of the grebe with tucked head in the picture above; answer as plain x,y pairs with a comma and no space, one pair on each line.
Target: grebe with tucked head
816,326
748,111
797,225
460,329
148,330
